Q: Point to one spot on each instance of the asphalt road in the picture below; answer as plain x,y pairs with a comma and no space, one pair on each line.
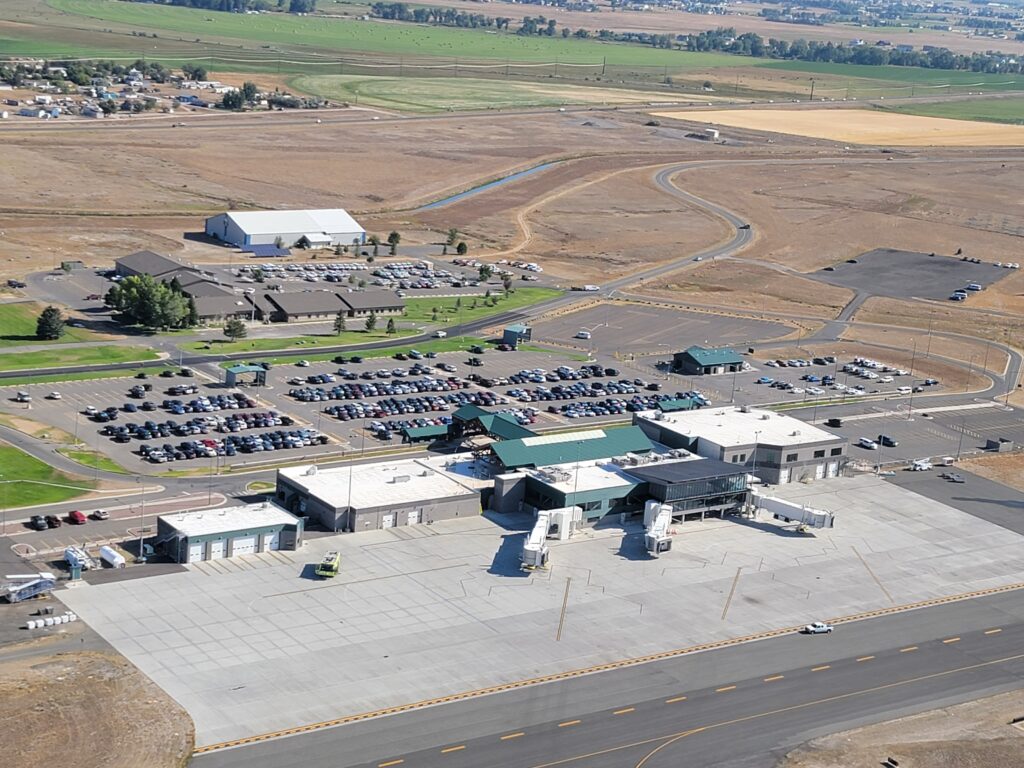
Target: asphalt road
739,706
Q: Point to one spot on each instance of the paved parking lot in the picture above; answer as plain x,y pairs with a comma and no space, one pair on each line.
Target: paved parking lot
905,274
625,328
255,644
978,496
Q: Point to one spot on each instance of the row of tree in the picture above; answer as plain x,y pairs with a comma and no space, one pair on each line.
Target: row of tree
143,300
240,6
445,17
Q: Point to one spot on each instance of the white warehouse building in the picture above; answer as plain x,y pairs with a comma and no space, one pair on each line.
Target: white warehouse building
309,229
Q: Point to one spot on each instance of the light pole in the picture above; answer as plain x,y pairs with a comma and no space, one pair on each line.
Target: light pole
960,442
142,518
3,510
913,357
757,437
970,370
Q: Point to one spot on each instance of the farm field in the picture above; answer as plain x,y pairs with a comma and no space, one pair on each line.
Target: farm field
334,34
1004,110
862,126
18,327
423,94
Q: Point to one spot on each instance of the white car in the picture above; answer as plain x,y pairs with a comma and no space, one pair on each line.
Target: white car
303,363
797,391
867,442
885,380
815,391
818,628
53,396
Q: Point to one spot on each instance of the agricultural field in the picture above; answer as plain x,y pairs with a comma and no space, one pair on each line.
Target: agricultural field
423,94
861,126
1003,110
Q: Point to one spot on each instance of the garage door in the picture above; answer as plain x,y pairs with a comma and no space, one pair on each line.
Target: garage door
243,545
388,520
195,552
218,549
271,541
833,469
784,476
414,516
819,472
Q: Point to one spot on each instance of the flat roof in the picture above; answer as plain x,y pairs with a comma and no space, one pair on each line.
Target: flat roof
734,427
670,472
227,519
588,476
303,222
374,485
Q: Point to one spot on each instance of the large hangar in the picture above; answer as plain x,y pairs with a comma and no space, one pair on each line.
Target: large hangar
306,229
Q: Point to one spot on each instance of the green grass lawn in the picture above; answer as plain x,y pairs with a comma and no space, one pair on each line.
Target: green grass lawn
333,34
421,310
85,376
19,361
93,459
1008,110
220,347
18,326
26,481
431,94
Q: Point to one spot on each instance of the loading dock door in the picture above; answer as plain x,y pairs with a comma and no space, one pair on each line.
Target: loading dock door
819,472
195,552
388,520
833,469
243,545
414,516
784,476
271,541
217,549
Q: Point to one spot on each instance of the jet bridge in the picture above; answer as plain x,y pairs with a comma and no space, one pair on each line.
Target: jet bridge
551,523
657,522
24,586
792,512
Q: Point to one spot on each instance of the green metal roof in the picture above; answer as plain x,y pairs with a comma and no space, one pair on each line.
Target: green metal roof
468,413
677,404
245,368
517,328
423,433
544,450
499,425
713,355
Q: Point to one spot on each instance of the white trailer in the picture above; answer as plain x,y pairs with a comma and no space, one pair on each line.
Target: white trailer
112,557
551,523
657,521
76,556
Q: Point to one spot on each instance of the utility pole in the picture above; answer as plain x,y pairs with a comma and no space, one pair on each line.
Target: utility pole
812,89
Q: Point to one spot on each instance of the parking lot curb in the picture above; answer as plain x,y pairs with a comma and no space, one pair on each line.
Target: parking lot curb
609,666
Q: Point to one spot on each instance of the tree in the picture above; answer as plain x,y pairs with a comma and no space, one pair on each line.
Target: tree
301,6
371,322
193,72
193,313
453,235
375,242
462,248
486,270
506,283
393,240
235,329
339,322
145,301
391,326
50,324
458,303
433,316
232,100
339,249
249,91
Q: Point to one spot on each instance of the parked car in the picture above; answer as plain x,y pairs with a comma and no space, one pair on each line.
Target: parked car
867,442
887,441
100,514
38,522
52,521
77,518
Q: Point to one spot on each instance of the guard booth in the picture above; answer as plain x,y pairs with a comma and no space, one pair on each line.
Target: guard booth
516,334
237,373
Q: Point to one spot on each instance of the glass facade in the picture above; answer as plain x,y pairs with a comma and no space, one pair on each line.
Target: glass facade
698,489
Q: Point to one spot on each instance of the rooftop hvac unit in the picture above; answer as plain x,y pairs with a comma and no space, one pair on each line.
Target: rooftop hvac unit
764,417
794,433
426,473
310,470
400,479
659,415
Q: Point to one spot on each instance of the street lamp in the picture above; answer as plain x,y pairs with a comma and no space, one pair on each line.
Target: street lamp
960,442
142,517
757,437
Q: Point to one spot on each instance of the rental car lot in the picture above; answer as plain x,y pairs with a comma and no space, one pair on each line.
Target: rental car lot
242,645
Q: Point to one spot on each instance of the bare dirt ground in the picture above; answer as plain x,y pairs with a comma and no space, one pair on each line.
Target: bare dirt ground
978,354
95,708
750,286
969,735
1006,328
862,126
1006,468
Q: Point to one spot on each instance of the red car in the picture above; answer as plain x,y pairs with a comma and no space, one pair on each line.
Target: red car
77,518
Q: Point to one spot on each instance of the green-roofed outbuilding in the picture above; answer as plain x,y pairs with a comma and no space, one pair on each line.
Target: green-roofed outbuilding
472,420
705,361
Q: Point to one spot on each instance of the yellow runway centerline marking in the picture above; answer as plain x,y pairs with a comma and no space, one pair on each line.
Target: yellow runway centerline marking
773,677
908,649
567,723
625,711
822,668
676,699
951,640
459,748
515,735
390,763
865,658
992,631
725,688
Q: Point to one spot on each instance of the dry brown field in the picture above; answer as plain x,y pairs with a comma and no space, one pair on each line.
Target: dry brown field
1005,468
978,354
861,126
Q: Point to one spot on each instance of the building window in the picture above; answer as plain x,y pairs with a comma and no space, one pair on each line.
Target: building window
743,458
735,458
591,506
836,452
791,457
819,454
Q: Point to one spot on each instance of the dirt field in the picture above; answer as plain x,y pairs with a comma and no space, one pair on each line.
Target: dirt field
1005,328
1007,468
861,126
90,708
968,735
749,286
980,355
